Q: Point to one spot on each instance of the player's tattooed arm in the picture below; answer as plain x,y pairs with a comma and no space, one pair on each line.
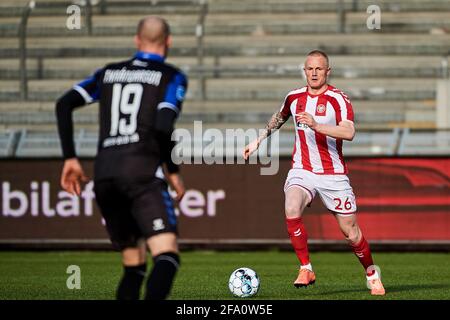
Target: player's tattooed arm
275,123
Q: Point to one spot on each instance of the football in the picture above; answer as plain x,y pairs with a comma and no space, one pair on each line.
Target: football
244,282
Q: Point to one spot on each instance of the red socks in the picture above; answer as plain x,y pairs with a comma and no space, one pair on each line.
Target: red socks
362,251
299,239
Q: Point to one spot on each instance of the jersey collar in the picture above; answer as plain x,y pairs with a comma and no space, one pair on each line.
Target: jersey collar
149,56
316,95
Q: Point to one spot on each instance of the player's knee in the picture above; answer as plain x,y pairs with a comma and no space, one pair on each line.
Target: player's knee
132,257
353,234
292,210
163,242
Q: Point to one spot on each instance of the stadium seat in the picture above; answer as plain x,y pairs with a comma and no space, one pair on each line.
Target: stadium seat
253,54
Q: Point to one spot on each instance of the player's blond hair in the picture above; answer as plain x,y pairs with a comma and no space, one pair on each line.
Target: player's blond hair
319,53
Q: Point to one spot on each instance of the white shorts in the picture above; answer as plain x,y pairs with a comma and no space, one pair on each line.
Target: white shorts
334,190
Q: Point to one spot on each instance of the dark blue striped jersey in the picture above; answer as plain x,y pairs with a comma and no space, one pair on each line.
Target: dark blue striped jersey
131,93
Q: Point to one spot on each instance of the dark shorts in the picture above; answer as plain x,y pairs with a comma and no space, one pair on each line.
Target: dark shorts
135,209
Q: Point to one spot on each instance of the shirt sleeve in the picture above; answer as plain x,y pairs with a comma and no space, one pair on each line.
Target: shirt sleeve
89,88
285,108
346,108
350,116
168,110
175,93
64,107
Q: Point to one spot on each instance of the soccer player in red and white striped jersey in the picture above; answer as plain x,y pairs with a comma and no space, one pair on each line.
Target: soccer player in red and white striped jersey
313,150
323,118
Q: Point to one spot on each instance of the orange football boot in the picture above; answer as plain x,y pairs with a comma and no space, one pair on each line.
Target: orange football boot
376,287
305,278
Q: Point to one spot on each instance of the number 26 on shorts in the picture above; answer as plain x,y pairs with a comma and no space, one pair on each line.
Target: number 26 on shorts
342,205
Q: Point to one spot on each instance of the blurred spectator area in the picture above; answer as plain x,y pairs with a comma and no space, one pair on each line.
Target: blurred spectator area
242,57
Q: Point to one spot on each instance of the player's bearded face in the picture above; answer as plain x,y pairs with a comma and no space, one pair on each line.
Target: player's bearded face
316,71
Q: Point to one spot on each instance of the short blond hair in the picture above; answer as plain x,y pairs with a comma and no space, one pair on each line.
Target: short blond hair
319,53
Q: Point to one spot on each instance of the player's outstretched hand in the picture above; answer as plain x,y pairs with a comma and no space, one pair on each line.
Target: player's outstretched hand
250,148
72,175
176,182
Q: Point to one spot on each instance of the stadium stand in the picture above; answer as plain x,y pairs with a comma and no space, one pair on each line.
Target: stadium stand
240,68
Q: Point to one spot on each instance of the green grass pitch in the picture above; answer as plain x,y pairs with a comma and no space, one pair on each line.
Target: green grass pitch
204,275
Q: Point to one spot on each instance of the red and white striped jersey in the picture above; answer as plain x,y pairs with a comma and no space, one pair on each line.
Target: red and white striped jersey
314,151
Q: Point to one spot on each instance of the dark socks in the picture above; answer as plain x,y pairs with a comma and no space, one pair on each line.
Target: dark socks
161,278
131,282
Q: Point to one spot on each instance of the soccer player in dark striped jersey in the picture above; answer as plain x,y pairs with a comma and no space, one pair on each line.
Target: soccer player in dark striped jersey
139,102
